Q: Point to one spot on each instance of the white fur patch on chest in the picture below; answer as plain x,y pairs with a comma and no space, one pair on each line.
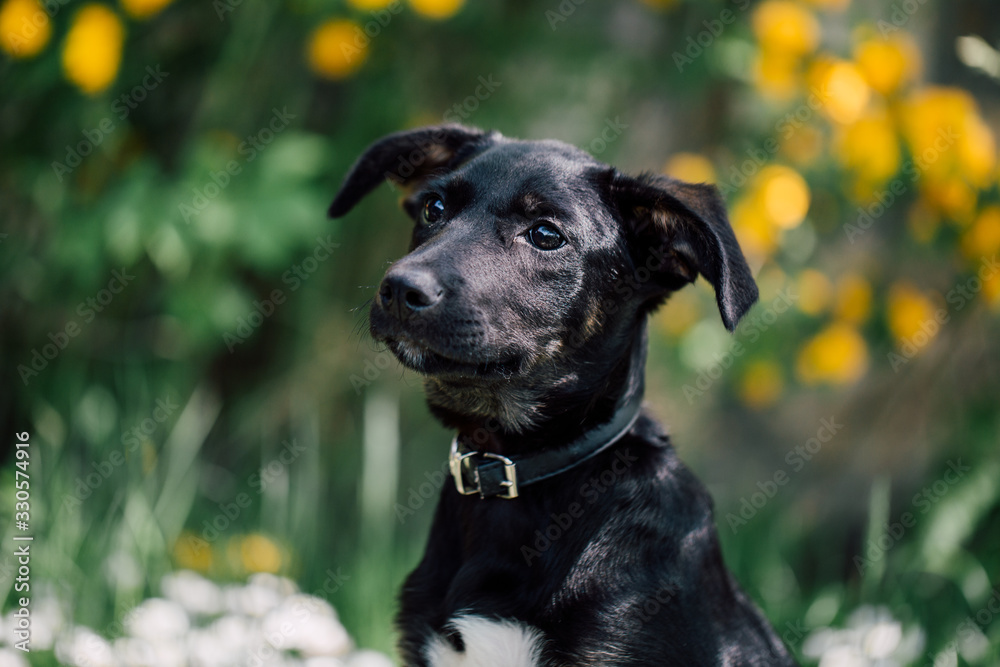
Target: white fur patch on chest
488,643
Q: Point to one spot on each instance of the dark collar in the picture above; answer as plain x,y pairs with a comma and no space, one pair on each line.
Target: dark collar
494,475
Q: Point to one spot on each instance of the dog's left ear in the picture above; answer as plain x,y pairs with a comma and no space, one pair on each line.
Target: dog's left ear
405,158
687,224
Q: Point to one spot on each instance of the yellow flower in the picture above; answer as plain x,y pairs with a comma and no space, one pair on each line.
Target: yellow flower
437,9
661,4
680,314
784,194
836,355
259,554
143,9
951,196
782,26
192,552
757,236
869,148
776,74
853,299
93,48
815,291
370,5
337,49
841,88
909,310
991,290
778,199
831,5
982,239
923,221
24,28
803,146
690,167
888,63
948,138
761,384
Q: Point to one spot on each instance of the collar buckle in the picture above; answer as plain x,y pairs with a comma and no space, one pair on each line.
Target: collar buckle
460,462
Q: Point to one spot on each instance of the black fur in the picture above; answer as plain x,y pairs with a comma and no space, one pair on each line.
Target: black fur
524,348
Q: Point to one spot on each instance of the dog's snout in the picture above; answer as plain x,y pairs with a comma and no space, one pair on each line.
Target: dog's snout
406,292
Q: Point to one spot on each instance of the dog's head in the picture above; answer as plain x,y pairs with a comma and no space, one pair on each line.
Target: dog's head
532,265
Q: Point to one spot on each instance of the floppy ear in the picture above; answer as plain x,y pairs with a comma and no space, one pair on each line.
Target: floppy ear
404,158
687,223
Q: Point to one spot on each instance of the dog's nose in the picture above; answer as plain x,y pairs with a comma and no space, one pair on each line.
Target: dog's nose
406,292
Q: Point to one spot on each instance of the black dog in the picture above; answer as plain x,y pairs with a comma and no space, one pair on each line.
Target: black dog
572,535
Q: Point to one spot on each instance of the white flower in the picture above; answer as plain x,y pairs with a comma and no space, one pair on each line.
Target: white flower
132,651
323,661
198,595
157,620
872,638
12,658
280,585
367,659
223,642
882,639
252,600
843,656
307,624
47,621
82,647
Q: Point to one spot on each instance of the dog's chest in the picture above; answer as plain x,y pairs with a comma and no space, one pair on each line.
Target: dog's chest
487,643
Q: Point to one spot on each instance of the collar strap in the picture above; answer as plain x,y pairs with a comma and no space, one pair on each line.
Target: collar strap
494,475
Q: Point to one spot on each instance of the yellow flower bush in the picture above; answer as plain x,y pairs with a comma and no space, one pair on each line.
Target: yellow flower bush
815,292
690,167
778,198
370,5
661,4
24,28
784,195
853,299
437,9
836,355
842,89
869,150
758,238
909,310
982,239
684,312
804,146
776,74
93,49
948,138
337,49
786,32
782,26
143,9
887,64
761,384
951,196
830,5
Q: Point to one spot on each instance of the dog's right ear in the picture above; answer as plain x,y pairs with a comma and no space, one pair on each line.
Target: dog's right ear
406,158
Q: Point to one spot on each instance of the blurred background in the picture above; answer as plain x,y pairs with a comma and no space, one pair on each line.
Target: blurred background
184,333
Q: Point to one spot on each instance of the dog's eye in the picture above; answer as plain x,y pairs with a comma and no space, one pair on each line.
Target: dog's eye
433,210
545,237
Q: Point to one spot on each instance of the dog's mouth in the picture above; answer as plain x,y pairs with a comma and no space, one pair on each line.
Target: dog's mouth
429,360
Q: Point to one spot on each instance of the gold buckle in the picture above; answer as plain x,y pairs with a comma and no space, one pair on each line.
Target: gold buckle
456,461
